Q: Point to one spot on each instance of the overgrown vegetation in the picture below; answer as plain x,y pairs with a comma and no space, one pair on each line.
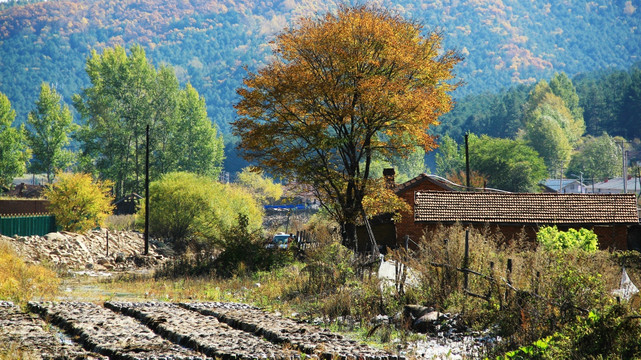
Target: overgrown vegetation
20,282
192,212
553,240
558,303
548,292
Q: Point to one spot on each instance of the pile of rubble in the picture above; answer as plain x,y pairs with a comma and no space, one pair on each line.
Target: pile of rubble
97,250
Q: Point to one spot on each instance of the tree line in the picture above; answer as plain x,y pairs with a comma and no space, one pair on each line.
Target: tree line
127,96
576,128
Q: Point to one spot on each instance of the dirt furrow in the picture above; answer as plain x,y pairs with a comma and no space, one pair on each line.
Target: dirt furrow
109,333
27,335
303,337
202,332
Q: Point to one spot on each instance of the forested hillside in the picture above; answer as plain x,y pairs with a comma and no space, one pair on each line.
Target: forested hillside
505,42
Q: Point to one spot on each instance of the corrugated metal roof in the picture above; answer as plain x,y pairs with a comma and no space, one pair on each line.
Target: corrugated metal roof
525,208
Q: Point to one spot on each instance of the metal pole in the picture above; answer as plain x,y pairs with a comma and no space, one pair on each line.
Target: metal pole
147,195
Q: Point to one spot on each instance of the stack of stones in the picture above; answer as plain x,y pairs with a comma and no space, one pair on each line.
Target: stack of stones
98,250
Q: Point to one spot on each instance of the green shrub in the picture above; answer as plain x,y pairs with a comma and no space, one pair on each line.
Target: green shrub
553,239
194,211
78,202
245,252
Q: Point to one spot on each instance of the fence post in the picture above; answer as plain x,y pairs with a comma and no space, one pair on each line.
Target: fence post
466,259
508,278
491,281
107,237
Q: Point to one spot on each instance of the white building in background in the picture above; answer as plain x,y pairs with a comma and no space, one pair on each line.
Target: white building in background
615,186
566,186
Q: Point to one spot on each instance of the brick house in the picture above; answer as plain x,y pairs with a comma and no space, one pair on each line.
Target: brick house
610,216
383,228
435,202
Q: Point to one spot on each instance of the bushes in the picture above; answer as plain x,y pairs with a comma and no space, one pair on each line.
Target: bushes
245,252
555,288
194,211
78,202
553,239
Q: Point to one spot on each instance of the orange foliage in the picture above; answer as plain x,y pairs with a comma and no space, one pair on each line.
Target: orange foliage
382,200
477,179
344,87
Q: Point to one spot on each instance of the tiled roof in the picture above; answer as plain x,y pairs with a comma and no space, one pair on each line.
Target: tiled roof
419,179
521,208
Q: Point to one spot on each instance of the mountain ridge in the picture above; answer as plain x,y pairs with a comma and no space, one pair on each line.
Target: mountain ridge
505,42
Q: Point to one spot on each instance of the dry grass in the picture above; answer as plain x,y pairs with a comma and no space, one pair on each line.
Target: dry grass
121,222
553,288
14,352
22,282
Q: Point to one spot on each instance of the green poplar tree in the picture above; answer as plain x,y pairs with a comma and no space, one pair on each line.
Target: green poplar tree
14,151
127,94
49,126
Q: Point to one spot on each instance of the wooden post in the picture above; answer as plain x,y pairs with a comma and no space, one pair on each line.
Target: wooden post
466,259
508,278
147,210
107,242
491,280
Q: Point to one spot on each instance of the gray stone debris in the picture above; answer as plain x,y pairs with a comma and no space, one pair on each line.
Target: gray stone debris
111,334
87,251
25,332
303,337
202,332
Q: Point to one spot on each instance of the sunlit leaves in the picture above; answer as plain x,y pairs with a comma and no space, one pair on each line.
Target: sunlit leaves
14,152
50,125
344,87
79,202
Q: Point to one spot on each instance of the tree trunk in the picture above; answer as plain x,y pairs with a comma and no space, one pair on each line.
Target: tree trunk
348,233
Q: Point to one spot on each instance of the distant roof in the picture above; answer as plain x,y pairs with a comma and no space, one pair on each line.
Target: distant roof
617,184
554,183
525,208
419,179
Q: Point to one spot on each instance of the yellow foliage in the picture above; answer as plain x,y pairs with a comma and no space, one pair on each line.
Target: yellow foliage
20,282
344,88
78,202
262,188
382,200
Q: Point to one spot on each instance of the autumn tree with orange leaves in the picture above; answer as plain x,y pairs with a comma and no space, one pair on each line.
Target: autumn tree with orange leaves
342,88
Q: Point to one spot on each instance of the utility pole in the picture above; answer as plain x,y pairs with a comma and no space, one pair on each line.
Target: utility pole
147,195
467,164
561,179
625,168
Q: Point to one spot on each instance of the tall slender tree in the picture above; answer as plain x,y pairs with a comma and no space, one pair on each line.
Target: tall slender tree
127,94
49,126
14,151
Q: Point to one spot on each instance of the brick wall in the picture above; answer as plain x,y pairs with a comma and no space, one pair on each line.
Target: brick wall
610,237
23,207
407,226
